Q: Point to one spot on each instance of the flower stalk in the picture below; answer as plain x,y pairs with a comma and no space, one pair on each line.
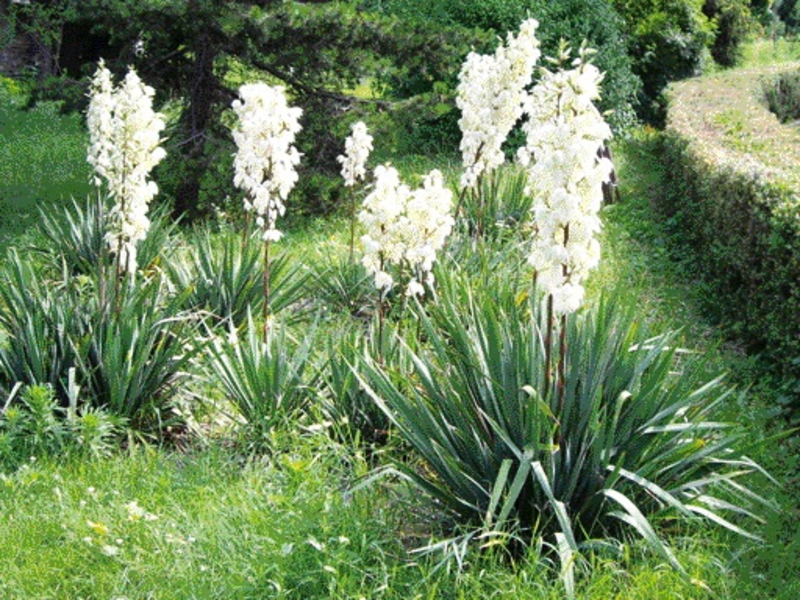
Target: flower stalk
125,145
265,163
565,174
357,148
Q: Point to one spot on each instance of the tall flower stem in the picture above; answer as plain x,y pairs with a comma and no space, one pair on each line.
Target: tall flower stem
352,226
562,362
548,347
266,308
101,259
481,202
381,314
245,230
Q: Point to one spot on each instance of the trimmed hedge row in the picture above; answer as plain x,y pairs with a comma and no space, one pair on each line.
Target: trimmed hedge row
733,199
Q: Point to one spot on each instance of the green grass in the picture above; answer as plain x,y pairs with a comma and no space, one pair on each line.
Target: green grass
213,524
764,52
42,161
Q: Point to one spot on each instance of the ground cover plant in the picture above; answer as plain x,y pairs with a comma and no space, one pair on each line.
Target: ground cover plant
568,451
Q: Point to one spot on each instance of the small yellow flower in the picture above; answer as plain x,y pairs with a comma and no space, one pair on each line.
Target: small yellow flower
98,528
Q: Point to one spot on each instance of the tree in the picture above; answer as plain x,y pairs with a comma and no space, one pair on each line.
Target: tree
197,52
733,21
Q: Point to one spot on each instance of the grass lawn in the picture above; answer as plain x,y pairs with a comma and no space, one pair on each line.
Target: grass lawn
42,161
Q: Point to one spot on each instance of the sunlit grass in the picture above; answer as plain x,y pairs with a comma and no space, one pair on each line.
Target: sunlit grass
42,161
762,52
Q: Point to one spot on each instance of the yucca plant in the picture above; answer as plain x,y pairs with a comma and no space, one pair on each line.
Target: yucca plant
44,320
631,437
268,382
224,277
136,354
75,238
344,287
344,401
499,204
126,358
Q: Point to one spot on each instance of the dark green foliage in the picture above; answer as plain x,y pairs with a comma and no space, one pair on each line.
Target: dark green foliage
344,287
135,355
499,205
128,345
573,20
221,275
667,40
74,238
748,257
630,436
733,23
42,319
788,11
346,403
783,96
269,382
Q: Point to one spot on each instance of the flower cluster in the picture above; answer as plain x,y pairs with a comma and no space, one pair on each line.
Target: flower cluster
125,145
266,159
405,228
356,151
491,91
564,133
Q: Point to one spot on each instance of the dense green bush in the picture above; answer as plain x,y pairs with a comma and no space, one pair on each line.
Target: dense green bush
748,257
667,40
572,20
128,345
733,22
788,11
629,434
782,94
732,204
270,382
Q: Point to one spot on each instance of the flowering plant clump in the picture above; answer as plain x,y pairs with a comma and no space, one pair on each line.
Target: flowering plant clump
405,228
564,133
266,159
354,168
356,151
491,91
125,145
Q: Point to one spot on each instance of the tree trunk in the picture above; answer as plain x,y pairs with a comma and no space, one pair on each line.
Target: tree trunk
195,124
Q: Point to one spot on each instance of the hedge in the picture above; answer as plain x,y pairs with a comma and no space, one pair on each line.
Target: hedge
733,201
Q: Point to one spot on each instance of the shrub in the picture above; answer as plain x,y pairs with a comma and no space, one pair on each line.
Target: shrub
575,20
633,438
74,239
128,348
344,287
345,401
42,323
268,382
135,355
733,23
732,203
782,94
219,274
667,41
